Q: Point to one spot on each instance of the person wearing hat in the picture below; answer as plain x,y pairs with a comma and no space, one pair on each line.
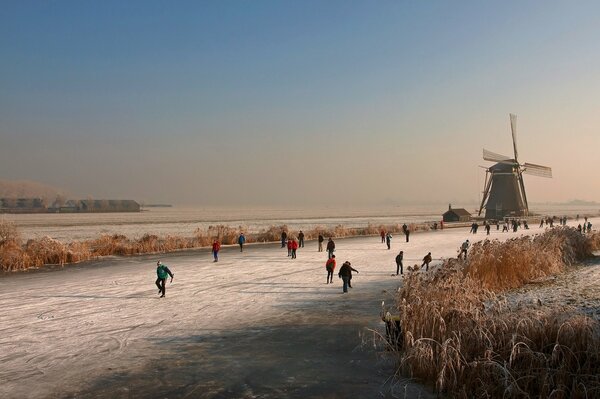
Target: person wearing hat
346,275
162,271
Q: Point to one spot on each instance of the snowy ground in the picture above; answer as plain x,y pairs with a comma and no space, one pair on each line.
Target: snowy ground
255,324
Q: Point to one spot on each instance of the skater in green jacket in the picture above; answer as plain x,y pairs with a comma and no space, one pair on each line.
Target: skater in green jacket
162,271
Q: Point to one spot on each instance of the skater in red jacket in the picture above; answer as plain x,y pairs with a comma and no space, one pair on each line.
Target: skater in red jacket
330,267
216,247
294,247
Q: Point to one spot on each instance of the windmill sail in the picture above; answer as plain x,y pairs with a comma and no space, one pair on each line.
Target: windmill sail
493,157
537,170
513,128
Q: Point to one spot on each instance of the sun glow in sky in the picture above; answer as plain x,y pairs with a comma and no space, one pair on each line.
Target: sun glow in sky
311,102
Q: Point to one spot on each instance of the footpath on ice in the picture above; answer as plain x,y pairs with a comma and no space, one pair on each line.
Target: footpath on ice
254,324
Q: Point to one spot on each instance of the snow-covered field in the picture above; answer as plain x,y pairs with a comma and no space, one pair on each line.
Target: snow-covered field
255,324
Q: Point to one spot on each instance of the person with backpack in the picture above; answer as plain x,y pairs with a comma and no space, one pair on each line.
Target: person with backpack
320,241
241,241
330,248
162,271
399,266
346,275
330,267
216,247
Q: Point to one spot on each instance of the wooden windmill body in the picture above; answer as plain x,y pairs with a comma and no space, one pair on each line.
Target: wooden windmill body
504,190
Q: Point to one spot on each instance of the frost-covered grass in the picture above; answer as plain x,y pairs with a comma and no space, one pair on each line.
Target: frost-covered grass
462,335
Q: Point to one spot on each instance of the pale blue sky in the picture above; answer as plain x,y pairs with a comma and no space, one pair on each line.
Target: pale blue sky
302,102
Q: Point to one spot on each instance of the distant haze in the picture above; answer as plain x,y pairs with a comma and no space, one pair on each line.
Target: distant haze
304,103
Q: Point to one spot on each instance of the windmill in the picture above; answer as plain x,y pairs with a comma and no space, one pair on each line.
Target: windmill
504,190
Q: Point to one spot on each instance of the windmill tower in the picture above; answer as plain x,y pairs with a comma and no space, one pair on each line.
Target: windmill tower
504,190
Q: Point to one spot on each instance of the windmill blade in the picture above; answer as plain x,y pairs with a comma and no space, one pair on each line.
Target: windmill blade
513,128
537,170
493,157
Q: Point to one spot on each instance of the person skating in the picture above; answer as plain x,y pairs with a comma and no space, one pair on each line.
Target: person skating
241,241
346,275
320,241
589,227
283,239
388,240
426,261
289,247
301,239
487,228
382,234
463,249
399,266
162,271
330,247
216,247
406,231
294,248
330,267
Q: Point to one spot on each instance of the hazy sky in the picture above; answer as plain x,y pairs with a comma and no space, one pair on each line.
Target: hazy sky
298,102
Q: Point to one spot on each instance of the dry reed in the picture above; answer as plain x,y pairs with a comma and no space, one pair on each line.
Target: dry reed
460,334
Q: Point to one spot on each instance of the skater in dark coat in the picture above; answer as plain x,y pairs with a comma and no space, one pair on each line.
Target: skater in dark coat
399,266
162,271
241,241
382,234
301,239
330,267
330,247
406,231
388,240
346,275
487,228
283,239
426,261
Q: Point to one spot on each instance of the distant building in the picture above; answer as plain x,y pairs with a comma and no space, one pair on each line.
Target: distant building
37,205
23,205
108,206
456,215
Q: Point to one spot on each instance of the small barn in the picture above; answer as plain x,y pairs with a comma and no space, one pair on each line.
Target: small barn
456,215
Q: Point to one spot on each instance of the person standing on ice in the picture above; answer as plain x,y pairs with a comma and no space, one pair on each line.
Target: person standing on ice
216,247
382,234
162,271
330,248
487,228
399,266
406,231
426,260
289,247
388,240
294,247
330,267
346,275
241,241
301,239
463,249
283,238
320,240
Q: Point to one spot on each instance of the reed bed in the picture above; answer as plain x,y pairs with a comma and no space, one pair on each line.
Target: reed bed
16,255
462,335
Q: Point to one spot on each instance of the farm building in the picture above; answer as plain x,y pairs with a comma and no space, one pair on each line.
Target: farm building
456,215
